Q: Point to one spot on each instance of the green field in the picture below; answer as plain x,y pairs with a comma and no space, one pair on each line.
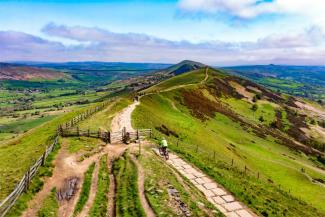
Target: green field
229,140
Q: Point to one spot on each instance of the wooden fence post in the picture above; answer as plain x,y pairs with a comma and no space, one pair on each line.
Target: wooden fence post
139,147
88,132
258,175
27,180
109,137
43,158
150,133
137,134
232,162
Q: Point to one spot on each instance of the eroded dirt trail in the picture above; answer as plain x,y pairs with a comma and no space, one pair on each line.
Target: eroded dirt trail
66,166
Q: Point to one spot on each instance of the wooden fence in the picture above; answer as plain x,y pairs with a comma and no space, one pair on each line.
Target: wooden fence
75,120
109,137
24,183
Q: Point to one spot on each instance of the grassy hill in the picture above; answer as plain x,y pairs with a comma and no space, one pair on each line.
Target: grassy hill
225,124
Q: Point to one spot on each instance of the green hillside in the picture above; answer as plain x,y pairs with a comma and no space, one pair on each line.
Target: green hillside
220,118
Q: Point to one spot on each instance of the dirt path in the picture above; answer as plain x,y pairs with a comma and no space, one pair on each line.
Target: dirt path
66,165
206,75
123,119
145,205
92,193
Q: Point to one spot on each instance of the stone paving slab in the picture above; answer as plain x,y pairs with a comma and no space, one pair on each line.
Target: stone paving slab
215,193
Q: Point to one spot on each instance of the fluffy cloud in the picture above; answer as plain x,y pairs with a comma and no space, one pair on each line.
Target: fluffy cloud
251,8
95,44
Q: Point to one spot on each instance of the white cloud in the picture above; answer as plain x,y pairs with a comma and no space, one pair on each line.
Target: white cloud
306,47
252,8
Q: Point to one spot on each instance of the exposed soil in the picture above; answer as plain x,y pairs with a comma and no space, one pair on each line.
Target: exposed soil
320,113
66,166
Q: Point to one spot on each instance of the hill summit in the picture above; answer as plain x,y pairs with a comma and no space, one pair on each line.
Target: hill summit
183,67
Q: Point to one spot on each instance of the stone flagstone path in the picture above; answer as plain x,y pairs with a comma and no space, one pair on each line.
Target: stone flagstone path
215,193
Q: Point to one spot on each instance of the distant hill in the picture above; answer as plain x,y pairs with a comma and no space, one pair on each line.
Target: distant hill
183,67
20,72
304,81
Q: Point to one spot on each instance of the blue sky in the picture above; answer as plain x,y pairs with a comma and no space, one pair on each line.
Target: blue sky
220,32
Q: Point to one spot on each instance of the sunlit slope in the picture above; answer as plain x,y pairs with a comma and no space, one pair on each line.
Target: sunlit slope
215,113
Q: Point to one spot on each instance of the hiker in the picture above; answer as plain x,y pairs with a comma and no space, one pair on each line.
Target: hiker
163,147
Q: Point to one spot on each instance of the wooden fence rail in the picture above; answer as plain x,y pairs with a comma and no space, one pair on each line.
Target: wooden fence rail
107,136
24,183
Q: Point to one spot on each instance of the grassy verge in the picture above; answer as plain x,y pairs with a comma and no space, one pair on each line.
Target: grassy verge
84,194
157,180
127,198
99,207
50,206
35,186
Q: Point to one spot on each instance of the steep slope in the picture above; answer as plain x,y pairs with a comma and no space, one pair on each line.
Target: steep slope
245,129
20,72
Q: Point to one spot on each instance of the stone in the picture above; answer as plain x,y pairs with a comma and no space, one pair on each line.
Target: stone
228,198
220,208
190,170
208,193
244,213
210,185
200,187
199,181
218,200
232,206
186,166
219,191
231,214
189,176
206,179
